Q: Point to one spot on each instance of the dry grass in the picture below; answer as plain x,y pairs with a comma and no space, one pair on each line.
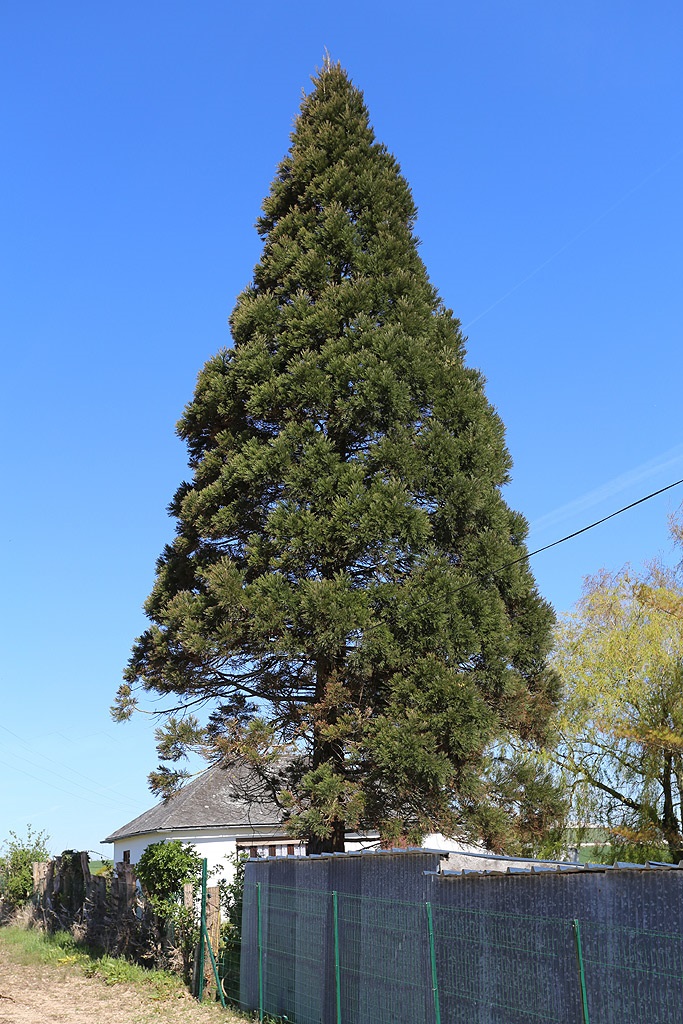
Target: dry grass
53,978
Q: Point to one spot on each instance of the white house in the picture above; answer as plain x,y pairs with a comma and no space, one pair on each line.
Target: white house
219,814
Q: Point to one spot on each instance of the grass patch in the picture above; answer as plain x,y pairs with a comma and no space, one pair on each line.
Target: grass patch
101,867
31,946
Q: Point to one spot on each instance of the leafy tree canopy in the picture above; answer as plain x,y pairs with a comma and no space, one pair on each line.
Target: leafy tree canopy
334,591
621,657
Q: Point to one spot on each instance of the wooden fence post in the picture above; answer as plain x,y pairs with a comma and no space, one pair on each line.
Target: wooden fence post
39,876
213,932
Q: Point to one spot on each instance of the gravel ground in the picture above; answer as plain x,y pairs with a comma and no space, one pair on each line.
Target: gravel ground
42,993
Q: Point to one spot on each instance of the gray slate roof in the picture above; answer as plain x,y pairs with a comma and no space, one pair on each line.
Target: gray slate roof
217,798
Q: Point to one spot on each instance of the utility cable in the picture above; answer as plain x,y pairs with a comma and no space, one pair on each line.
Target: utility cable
106,792
47,782
102,795
562,540
584,529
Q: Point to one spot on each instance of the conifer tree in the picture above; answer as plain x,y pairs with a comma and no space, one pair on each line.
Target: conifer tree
334,590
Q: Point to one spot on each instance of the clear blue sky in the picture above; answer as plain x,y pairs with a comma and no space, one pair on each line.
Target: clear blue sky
543,145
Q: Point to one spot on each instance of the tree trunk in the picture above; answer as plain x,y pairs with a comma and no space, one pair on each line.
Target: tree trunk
326,752
333,843
670,827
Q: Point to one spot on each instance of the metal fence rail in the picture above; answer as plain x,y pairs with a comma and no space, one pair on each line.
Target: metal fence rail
318,957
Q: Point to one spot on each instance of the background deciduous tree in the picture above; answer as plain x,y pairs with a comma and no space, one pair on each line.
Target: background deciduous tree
335,589
621,658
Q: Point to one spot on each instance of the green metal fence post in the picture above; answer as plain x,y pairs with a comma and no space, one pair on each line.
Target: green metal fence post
202,930
582,974
432,960
260,951
337,970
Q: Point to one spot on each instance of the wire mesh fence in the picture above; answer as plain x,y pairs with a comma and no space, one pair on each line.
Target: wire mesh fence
319,957
633,974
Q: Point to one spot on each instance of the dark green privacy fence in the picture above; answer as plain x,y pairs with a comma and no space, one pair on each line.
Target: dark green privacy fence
327,957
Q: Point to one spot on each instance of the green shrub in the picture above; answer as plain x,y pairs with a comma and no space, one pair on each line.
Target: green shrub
103,868
16,865
163,869
232,898
36,947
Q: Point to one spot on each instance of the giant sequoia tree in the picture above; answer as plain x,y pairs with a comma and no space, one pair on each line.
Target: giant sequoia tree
334,590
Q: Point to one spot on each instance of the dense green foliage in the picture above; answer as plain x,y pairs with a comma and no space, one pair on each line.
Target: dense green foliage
621,656
16,865
163,869
348,587
232,900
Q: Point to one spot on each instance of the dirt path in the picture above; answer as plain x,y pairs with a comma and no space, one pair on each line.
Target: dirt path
43,993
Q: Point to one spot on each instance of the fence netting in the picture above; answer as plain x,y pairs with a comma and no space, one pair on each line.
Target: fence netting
318,957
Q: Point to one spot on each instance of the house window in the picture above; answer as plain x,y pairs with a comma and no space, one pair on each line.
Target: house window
126,856
270,849
290,850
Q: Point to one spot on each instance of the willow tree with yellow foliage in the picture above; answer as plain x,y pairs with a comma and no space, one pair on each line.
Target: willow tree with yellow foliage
621,658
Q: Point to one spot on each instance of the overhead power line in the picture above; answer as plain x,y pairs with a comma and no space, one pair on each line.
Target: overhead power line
104,792
585,529
46,781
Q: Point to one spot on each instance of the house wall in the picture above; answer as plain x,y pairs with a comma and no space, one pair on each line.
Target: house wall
437,841
219,847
